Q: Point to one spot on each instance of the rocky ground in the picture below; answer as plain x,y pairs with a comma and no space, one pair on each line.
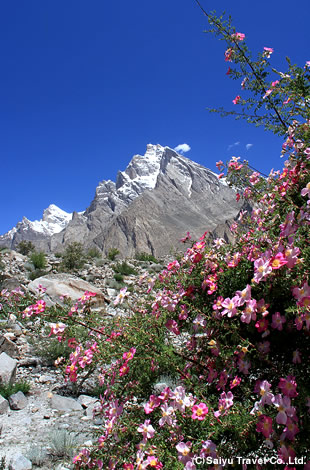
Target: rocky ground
42,428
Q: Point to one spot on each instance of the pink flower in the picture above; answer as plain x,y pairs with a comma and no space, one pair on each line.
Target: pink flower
219,165
184,453
208,448
277,321
153,402
225,402
244,366
237,99
199,411
230,306
290,430
264,390
181,401
235,382
262,325
123,370
301,293
244,295
146,429
167,415
286,453
128,356
121,296
306,190
154,462
264,425
283,404
57,328
238,36
173,326
39,307
267,52
249,313
228,54
288,386
277,261
87,296
261,269
268,92
291,255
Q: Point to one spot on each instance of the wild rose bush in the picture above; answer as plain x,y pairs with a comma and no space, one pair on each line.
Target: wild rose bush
215,361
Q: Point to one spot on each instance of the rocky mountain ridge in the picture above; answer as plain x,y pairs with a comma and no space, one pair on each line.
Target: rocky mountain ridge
158,198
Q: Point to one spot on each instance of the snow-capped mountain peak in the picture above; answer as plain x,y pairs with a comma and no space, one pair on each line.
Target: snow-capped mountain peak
54,220
152,203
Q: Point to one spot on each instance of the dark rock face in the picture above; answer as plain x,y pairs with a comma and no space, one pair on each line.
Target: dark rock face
154,202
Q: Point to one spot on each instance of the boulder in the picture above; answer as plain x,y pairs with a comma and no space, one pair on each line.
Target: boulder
58,285
65,404
87,401
18,401
7,368
7,346
20,462
4,405
11,283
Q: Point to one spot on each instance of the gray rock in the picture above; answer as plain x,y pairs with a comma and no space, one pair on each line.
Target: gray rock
7,346
29,362
11,283
86,400
18,401
65,404
66,284
4,405
20,462
7,368
46,378
16,328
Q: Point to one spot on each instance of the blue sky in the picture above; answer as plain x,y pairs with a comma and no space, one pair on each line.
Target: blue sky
85,85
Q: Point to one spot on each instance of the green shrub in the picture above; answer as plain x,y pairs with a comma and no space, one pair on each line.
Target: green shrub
25,247
6,390
124,268
36,273
146,257
93,253
74,256
113,253
38,259
118,277
37,455
63,443
50,349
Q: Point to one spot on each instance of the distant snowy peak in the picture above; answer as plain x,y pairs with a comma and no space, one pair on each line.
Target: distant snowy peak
54,220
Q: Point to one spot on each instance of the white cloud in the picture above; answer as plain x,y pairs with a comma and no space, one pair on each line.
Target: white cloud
248,146
182,148
235,144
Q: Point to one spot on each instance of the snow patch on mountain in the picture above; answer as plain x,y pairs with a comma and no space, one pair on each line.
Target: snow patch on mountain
54,220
